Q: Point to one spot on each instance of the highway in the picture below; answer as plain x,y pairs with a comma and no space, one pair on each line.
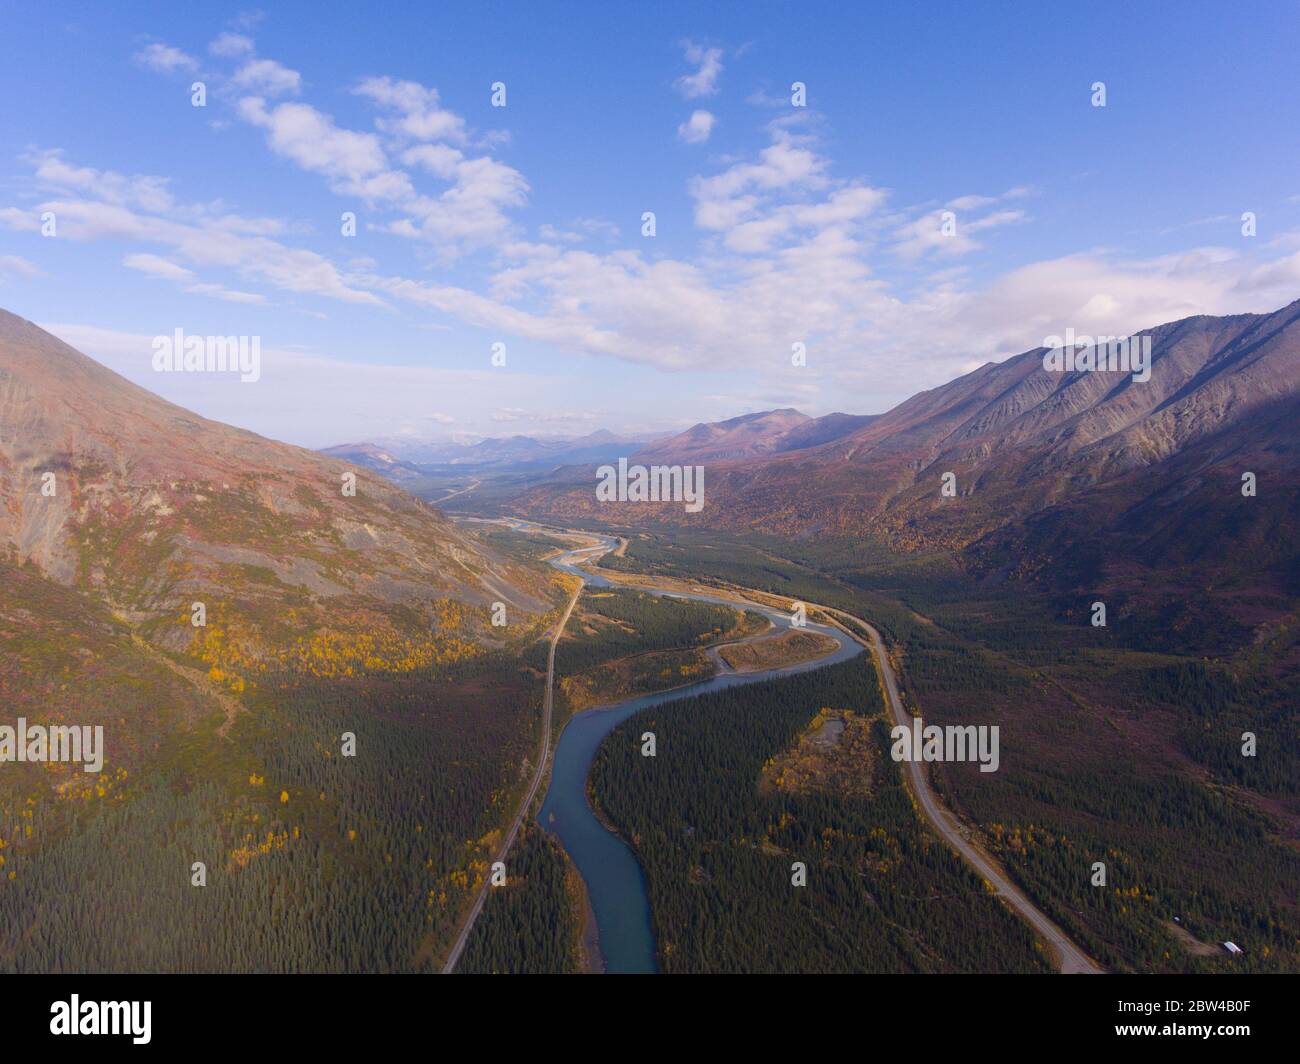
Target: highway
1071,960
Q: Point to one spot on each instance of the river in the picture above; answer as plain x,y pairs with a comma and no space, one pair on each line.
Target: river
615,883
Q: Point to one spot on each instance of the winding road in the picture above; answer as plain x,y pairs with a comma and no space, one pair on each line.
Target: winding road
1071,960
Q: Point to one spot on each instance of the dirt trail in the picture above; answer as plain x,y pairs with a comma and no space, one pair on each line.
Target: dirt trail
198,679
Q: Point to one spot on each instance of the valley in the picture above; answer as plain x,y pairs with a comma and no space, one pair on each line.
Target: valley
671,489
242,627
614,878
1031,814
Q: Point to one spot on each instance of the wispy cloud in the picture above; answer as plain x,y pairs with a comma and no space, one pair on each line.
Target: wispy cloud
17,266
231,46
165,59
703,81
415,111
787,247
92,205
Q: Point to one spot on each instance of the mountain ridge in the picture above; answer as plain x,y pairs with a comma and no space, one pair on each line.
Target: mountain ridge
149,508
1023,446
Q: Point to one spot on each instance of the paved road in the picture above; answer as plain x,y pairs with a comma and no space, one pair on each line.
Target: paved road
453,494
1070,958
547,702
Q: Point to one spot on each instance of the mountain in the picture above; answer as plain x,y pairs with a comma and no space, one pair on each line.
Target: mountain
343,732
132,509
750,436
739,437
377,458
822,430
1073,480
404,459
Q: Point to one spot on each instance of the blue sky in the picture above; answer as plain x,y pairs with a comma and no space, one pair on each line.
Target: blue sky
521,224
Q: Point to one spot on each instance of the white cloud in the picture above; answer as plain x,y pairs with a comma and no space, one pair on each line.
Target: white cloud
231,46
578,231
203,245
165,59
165,269
157,266
742,192
788,252
355,163
269,77
418,115
20,221
17,266
471,213
947,237
696,129
971,203
708,68
510,415
102,205
977,202
308,397
437,159
141,190
843,207
221,292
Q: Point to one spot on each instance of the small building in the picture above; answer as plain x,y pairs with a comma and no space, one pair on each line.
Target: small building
1232,947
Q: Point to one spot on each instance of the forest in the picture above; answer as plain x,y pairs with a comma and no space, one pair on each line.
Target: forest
531,925
882,894
315,861
1098,735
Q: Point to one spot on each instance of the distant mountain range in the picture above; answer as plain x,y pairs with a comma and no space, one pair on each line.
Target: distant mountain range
747,436
751,436
405,459
1074,480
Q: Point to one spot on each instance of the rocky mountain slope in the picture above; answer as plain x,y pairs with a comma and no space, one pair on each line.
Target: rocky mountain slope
147,509
1072,479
